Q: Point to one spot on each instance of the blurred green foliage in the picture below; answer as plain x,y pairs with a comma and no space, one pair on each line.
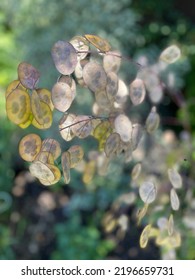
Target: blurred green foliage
6,251
8,64
6,167
75,241
28,29
8,60
186,113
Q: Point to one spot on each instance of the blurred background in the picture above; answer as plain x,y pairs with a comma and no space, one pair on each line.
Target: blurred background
71,221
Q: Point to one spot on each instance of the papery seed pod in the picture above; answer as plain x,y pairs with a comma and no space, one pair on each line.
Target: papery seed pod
30,146
123,127
137,91
28,75
171,54
148,192
175,203
145,236
65,57
152,121
175,178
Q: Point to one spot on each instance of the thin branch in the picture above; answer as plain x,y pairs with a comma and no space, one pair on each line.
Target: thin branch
87,120
113,54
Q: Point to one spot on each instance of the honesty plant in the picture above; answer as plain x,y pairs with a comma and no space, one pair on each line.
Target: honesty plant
89,62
